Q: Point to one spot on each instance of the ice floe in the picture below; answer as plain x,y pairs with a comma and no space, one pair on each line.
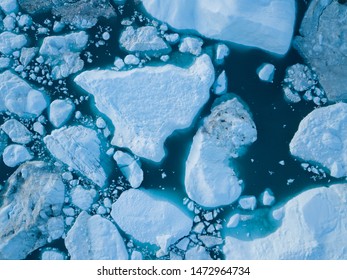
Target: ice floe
197,253
267,197
60,111
17,132
149,219
144,40
147,104
263,24
130,168
62,53
209,179
10,42
95,238
266,72
15,154
221,84
322,138
17,96
313,226
191,45
248,202
9,6
26,210
82,197
79,148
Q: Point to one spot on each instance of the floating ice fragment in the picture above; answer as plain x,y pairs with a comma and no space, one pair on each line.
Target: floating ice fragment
266,72
17,132
14,155
60,111
248,202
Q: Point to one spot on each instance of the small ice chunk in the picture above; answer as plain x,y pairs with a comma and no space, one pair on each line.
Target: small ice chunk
233,221
52,254
55,227
10,42
118,63
58,26
25,21
83,198
39,128
221,84
60,111
248,202
210,241
144,39
130,168
17,132
100,123
197,253
106,36
9,23
131,59
183,244
191,45
222,51
291,96
16,154
136,255
27,55
9,6
267,198
266,72
4,62
172,38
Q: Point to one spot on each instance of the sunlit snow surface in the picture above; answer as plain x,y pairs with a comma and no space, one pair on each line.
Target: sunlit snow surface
171,130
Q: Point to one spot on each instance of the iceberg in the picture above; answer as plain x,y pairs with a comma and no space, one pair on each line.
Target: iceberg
322,138
95,238
79,148
34,194
18,97
147,104
265,24
62,53
313,227
149,219
210,180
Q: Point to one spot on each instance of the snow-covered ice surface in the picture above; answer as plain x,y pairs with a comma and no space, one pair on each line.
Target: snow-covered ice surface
25,211
313,227
95,238
167,134
267,25
79,148
322,138
209,179
160,222
147,104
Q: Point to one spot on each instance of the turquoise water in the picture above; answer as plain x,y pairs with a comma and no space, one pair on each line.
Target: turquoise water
275,119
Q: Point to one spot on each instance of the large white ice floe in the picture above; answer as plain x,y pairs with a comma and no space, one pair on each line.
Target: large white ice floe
130,168
18,97
144,39
149,219
17,132
313,227
79,148
95,238
62,53
34,194
322,138
147,104
210,180
263,24
10,42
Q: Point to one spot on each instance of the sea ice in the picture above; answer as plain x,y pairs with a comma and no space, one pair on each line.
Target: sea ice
83,198
263,24
27,55
10,42
130,168
34,194
51,254
95,238
191,45
79,148
3,142
144,39
267,198
149,219
17,96
266,72
248,202
221,84
60,111
209,179
9,6
16,154
5,62
222,51
233,221
62,53
131,59
197,253
322,138
147,104
17,132
312,227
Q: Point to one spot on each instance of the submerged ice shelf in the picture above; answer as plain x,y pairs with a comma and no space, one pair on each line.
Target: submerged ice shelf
149,134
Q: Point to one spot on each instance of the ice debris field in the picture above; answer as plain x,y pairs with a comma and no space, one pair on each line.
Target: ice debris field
157,129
